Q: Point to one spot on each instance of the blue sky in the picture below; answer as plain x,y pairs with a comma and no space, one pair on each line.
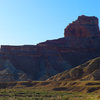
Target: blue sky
33,21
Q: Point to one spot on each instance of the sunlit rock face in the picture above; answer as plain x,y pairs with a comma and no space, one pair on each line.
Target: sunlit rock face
81,35
84,26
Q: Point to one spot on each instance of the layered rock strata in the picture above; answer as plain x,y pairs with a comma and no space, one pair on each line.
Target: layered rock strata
80,43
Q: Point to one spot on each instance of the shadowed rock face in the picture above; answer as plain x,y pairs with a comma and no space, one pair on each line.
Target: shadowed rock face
87,71
38,62
8,72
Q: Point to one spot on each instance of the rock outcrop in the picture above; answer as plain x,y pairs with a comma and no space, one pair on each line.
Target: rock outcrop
87,71
38,62
82,35
84,26
8,72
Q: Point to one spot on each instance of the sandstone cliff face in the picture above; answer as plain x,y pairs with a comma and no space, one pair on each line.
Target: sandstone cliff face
38,62
81,41
84,26
82,35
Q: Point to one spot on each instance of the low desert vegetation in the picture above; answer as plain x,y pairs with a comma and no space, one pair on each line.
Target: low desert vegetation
34,94
47,90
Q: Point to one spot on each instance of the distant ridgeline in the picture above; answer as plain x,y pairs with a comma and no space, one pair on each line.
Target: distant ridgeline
80,43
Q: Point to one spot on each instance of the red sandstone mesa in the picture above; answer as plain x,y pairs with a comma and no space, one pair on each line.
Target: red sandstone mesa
80,43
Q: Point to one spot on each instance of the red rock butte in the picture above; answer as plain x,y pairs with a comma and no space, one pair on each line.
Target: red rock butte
38,62
84,26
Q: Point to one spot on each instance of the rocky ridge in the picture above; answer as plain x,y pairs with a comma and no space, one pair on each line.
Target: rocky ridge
79,44
87,71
